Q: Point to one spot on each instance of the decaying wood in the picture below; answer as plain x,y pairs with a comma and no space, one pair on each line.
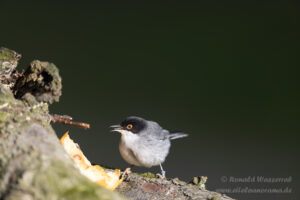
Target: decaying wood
33,164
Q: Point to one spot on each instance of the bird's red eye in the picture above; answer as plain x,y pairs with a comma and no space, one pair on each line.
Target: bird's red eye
129,126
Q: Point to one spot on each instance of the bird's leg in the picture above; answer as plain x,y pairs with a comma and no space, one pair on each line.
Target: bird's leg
163,173
127,171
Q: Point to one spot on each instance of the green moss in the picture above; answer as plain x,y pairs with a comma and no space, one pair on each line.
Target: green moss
6,95
3,116
45,108
29,99
61,181
148,175
7,54
8,60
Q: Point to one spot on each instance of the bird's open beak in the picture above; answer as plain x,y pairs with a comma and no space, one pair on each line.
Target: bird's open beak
116,128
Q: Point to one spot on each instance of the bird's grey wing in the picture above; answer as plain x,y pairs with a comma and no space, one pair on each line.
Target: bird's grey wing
155,131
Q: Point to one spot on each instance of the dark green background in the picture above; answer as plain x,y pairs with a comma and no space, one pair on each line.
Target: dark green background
223,72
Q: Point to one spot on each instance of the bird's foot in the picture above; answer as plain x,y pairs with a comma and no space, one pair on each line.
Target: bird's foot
126,171
162,175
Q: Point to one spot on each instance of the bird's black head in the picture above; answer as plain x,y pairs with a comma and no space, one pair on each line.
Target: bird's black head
133,124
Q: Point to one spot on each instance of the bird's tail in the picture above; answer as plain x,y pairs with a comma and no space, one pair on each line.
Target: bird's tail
176,135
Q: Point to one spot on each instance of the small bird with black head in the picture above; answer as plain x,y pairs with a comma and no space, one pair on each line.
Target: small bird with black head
144,143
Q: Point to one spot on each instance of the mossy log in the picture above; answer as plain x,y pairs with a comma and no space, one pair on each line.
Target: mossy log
34,165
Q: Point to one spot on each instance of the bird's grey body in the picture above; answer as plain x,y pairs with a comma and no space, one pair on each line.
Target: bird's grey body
146,143
145,151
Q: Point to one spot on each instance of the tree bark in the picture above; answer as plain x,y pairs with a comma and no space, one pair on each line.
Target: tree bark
34,165
141,187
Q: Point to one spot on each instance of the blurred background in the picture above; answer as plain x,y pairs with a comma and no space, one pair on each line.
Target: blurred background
224,72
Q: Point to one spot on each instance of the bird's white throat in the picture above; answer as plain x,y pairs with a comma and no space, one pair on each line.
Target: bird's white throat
128,137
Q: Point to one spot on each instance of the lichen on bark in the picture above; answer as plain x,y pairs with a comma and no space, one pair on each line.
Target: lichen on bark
8,60
33,164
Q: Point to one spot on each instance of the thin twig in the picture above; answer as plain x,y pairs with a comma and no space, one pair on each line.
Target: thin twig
65,119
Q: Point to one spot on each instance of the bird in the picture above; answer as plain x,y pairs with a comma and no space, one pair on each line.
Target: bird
144,143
